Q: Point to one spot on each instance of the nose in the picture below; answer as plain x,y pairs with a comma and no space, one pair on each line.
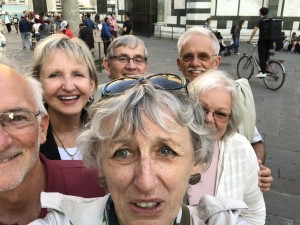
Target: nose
5,139
68,84
196,61
130,65
209,118
145,176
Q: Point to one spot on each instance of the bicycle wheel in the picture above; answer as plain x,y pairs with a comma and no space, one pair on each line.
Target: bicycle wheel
276,78
245,67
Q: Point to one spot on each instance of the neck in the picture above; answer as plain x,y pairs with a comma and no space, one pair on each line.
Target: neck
64,123
22,205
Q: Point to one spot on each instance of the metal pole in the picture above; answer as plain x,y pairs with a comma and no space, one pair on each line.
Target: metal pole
100,60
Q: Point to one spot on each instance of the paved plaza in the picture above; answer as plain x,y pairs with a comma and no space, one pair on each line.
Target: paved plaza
278,115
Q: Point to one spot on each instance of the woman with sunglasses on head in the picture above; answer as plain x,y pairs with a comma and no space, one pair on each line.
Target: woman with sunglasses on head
148,141
234,168
66,69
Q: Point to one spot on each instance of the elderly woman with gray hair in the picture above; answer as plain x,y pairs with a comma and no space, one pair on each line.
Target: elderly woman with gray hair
148,141
234,168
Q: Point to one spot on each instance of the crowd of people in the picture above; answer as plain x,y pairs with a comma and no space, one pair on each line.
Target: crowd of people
165,148
34,27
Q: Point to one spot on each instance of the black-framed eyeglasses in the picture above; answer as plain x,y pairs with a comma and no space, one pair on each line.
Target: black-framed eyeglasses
166,81
202,56
18,122
219,116
138,60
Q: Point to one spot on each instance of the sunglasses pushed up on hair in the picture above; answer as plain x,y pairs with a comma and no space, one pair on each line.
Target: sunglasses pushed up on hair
165,81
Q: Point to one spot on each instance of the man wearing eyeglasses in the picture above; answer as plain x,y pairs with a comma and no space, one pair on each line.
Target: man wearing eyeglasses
198,52
126,55
24,174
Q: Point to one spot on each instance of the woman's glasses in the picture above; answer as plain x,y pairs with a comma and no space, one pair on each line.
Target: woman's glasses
219,116
162,80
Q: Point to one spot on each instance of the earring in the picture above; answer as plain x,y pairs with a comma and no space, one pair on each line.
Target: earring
91,99
102,181
195,178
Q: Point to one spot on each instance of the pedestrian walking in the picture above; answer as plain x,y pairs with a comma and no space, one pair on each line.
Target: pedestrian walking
7,22
15,20
106,34
235,31
127,25
25,28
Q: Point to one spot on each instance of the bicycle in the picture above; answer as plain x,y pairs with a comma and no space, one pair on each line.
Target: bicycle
276,72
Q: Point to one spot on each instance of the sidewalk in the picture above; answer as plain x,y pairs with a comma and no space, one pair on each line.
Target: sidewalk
278,116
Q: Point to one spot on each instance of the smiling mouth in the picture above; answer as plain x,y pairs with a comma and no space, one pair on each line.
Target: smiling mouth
147,205
196,70
68,98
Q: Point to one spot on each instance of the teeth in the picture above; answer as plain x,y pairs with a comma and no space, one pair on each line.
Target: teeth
146,204
194,70
67,97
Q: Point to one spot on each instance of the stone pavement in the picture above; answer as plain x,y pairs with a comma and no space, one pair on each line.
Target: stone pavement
278,115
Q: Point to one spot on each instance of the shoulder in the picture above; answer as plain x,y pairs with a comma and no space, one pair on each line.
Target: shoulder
217,209
72,178
64,209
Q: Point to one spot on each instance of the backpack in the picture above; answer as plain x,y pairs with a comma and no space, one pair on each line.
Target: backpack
232,29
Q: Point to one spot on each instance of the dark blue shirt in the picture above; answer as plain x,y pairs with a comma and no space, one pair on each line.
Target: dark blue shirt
89,23
24,26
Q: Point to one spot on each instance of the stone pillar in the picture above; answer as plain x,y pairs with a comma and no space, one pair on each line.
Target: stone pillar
70,12
160,10
197,12
51,6
30,5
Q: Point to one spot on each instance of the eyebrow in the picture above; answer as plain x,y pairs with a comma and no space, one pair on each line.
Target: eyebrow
14,110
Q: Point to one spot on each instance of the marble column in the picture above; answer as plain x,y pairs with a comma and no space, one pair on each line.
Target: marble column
51,6
70,12
29,5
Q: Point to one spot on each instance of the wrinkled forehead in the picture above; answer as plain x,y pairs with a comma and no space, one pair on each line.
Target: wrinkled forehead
16,92
130,50
196,43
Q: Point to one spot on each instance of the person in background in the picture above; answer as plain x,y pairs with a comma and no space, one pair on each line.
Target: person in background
15,21
263,45
65,29
198,50
233,171
66,69
236,38
24,172
56,22
126,55
88,22
25,30
127,25
106,35
7,21
114,24
147,139
36,29
207,24
45,28
86,35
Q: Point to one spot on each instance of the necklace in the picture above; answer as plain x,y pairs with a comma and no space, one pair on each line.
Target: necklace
64,147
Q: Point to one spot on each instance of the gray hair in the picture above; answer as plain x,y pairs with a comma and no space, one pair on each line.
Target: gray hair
201,31
33,84
120,117
129,41
74,47
216,79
